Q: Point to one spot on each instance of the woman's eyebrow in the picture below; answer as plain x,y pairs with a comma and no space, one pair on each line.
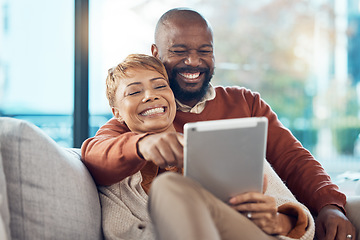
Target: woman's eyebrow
157,78
133,83
139,83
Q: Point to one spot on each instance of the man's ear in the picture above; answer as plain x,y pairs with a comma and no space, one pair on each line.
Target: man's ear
116,114
154,51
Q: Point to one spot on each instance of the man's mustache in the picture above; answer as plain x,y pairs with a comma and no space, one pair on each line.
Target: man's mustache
191,69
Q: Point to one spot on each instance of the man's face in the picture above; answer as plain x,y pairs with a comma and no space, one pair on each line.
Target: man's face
186,49
145,102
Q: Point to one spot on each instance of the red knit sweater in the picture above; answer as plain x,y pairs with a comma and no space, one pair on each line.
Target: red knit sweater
112,155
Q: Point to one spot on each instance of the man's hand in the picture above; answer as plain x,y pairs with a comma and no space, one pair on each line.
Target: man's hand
164,149
331,223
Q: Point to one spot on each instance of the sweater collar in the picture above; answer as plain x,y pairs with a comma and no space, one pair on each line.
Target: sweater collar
200,106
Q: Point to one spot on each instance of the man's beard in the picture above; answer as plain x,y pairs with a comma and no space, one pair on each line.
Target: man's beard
188,96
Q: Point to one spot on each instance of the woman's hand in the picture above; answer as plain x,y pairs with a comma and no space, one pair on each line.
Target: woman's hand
262,210
164,149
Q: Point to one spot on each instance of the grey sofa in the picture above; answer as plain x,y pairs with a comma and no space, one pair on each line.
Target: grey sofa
45,190
47,193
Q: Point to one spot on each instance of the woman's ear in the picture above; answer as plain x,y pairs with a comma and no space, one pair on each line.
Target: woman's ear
116,114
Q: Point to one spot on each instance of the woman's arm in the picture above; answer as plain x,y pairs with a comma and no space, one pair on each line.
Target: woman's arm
262,210
276,211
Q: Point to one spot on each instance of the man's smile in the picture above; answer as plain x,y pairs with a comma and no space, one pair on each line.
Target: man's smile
191,77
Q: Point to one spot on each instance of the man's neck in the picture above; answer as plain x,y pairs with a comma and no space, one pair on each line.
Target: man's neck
191,103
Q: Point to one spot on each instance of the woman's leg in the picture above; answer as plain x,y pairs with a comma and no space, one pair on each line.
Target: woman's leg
181,209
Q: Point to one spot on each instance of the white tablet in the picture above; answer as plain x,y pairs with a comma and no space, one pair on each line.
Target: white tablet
226,156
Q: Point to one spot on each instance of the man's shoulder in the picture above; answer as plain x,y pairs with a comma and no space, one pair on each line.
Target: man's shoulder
113,125
112,122
234,91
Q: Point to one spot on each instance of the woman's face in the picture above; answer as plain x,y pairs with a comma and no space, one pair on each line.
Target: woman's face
145,102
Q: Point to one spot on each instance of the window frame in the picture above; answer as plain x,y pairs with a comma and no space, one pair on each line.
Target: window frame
81,73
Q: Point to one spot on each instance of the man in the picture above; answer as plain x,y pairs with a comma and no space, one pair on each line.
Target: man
184,43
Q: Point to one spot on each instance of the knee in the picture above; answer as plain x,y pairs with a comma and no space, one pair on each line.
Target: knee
164,181
164,186
174,184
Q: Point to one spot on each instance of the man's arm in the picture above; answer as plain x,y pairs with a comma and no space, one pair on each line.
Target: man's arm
111,155
305,177
116,153
295,165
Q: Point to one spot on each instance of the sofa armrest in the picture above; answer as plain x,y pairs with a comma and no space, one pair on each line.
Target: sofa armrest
51,194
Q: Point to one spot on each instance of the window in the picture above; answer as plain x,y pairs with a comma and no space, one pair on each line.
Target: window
36,64
300,55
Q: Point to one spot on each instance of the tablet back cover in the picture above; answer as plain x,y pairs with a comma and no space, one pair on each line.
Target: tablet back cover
226,156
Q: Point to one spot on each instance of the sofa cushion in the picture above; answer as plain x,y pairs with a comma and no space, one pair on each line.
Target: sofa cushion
51,194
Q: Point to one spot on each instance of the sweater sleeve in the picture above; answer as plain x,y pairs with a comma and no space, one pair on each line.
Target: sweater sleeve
111,155
287,204
295,165
302,220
